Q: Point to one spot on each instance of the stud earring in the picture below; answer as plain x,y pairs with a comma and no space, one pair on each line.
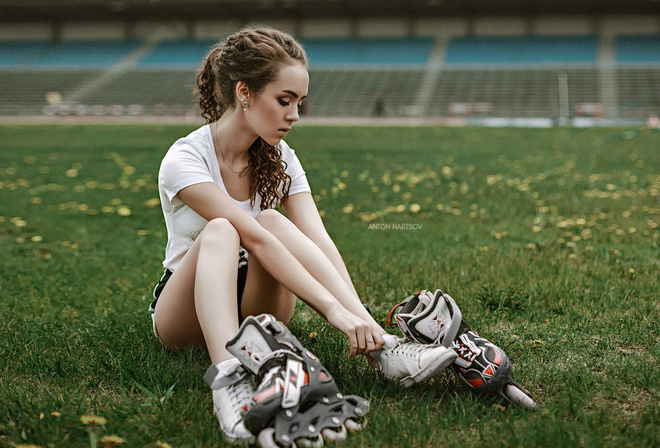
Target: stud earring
244,105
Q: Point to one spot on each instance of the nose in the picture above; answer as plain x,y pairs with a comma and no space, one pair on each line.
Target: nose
294,114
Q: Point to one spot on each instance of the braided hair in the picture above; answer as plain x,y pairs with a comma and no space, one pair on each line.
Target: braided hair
254,56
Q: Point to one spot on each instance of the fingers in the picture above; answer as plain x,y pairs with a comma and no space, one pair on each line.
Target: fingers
367,344
371,340
361,338
352,339
378,339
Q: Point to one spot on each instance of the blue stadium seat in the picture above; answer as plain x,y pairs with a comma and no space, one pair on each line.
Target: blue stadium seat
67,54
514,50
177,53
637,49
87,54
21,53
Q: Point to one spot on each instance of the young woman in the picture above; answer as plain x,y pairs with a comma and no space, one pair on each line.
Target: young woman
229,253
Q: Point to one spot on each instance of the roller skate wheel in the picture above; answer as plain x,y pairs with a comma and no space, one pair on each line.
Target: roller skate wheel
335,434
352,425
266,439
315,442
518,396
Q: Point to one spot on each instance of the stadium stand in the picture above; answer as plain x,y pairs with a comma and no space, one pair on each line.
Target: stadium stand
638,91
177,53
148,87
65,55
512,92
368,52
20,54
637,49
23,92
353,92
524,50
491,76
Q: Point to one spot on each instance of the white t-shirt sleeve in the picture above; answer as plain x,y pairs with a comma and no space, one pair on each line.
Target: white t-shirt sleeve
299,183
182,167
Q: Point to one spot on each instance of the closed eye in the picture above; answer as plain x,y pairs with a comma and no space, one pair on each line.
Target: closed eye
284,103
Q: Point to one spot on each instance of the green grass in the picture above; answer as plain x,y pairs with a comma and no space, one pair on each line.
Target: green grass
547,239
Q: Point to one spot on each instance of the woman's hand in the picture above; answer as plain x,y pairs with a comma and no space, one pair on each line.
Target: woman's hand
362,336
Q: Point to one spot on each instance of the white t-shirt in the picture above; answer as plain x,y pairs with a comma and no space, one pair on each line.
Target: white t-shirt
192,160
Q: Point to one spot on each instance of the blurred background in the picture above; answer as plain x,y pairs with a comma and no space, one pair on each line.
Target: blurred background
511,62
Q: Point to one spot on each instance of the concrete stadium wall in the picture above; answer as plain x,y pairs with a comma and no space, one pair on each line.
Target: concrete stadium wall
432,27
25,31
612,26
88,31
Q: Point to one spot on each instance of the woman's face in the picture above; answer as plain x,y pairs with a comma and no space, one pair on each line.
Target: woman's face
272,113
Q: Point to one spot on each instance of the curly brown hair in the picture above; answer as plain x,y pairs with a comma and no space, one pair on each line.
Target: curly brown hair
254,56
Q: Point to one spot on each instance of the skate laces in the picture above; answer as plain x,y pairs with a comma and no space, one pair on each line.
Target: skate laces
465,348
240,392
237,387
410,349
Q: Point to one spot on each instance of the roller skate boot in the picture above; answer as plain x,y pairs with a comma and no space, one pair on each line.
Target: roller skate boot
232,391
480,364
297,402
411,362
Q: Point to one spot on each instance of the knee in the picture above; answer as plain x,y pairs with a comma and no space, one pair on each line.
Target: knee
220,230
272,219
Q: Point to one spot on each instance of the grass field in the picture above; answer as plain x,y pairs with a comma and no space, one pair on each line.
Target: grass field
547,239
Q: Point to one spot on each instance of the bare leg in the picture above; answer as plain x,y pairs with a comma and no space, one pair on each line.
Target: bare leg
264,294
314,261
198,304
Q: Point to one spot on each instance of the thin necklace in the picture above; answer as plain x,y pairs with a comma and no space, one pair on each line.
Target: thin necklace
222,154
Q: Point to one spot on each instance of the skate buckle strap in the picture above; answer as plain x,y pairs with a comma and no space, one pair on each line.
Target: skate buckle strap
391,315
294,380
211,377
456,319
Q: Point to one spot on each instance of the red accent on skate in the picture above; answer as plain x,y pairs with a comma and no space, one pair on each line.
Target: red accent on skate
476,383
389,316
489,371
498,357
323,376
262,395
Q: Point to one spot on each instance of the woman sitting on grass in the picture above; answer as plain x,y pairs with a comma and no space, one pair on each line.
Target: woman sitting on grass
218,187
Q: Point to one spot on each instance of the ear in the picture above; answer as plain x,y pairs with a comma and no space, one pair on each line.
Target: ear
242,91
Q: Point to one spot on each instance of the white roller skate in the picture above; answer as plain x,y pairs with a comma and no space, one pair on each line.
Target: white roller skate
435,318
411,362
232,390
297,402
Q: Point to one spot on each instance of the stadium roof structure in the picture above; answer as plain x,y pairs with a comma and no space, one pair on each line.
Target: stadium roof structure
251,10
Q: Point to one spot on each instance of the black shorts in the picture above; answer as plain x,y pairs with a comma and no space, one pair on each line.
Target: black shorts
240,287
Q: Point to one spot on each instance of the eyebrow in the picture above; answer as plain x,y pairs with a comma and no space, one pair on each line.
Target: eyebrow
293,94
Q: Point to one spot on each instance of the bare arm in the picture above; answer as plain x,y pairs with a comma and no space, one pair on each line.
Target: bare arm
210,202
302,211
